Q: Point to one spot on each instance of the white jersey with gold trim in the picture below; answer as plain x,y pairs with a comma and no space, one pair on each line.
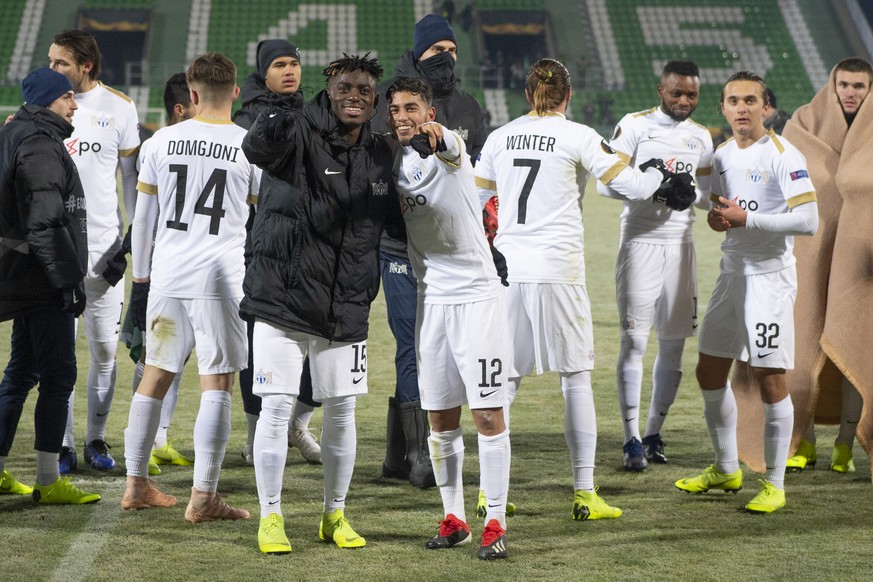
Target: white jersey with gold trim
539,165
684,146
106,127
447,245
769,177
202,180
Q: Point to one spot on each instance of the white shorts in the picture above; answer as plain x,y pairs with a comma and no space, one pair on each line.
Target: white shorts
462,354
104,306
338,368
657,284
212,326
550,327
750,318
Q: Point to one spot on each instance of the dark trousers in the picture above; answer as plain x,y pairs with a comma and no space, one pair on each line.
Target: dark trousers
252,402
42,351
400,288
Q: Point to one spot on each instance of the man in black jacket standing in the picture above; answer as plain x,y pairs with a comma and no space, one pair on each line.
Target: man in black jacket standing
43,257
274,86
433,58
313,274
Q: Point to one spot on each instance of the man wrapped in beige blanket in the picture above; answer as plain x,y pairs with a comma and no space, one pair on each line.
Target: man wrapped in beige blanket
834,306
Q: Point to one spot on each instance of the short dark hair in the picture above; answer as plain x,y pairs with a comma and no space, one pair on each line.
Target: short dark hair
413,85
83,47
681,68
746,76
856,65
176,91
347,64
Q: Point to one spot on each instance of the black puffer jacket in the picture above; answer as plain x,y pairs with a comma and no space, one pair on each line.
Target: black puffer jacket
42,213
315,263
457,110
256,98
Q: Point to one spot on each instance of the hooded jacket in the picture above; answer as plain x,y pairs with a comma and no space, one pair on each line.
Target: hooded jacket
315,240
43,235
256,98
455,109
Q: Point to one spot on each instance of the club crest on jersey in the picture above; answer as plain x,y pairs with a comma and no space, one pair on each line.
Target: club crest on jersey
264,377
417,173
102,121
606,148
380,188
464,133
693,145
798,174
757,176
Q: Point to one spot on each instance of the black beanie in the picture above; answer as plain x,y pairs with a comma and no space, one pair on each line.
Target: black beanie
271,49
43,86
429,30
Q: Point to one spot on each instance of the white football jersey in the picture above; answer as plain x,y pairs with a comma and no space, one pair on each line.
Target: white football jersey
106,128
769,177
539,166
447,245
684,146
202,180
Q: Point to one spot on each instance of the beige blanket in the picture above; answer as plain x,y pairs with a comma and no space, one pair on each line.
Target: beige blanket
833,314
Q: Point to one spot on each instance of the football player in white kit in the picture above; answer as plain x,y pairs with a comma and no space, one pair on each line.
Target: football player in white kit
106,137
196,182
656,268
536,164
459,294
762,197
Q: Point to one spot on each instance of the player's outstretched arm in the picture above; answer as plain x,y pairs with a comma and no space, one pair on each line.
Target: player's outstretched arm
270,138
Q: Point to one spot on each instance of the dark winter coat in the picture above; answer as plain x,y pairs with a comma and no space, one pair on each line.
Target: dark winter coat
315,262
43,236
256,98
457,110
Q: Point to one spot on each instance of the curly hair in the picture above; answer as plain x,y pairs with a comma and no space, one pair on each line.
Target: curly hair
347,64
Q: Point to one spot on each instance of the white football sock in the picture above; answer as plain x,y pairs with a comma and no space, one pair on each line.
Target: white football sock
629,378
339,441
494,460
666,378
447,459
142,424
779,424
46,468
168,408
101,387
301,414
720,411
211,433
271,449
850,414
580,427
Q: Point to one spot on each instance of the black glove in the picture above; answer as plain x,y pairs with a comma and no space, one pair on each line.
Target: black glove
275,125
658,164
139,302
115,268
677,191
500,263
74,299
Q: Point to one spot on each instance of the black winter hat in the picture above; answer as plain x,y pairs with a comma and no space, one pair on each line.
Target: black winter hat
271,49
430,29
43,86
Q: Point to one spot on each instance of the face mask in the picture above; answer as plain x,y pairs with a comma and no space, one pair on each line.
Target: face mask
438,70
